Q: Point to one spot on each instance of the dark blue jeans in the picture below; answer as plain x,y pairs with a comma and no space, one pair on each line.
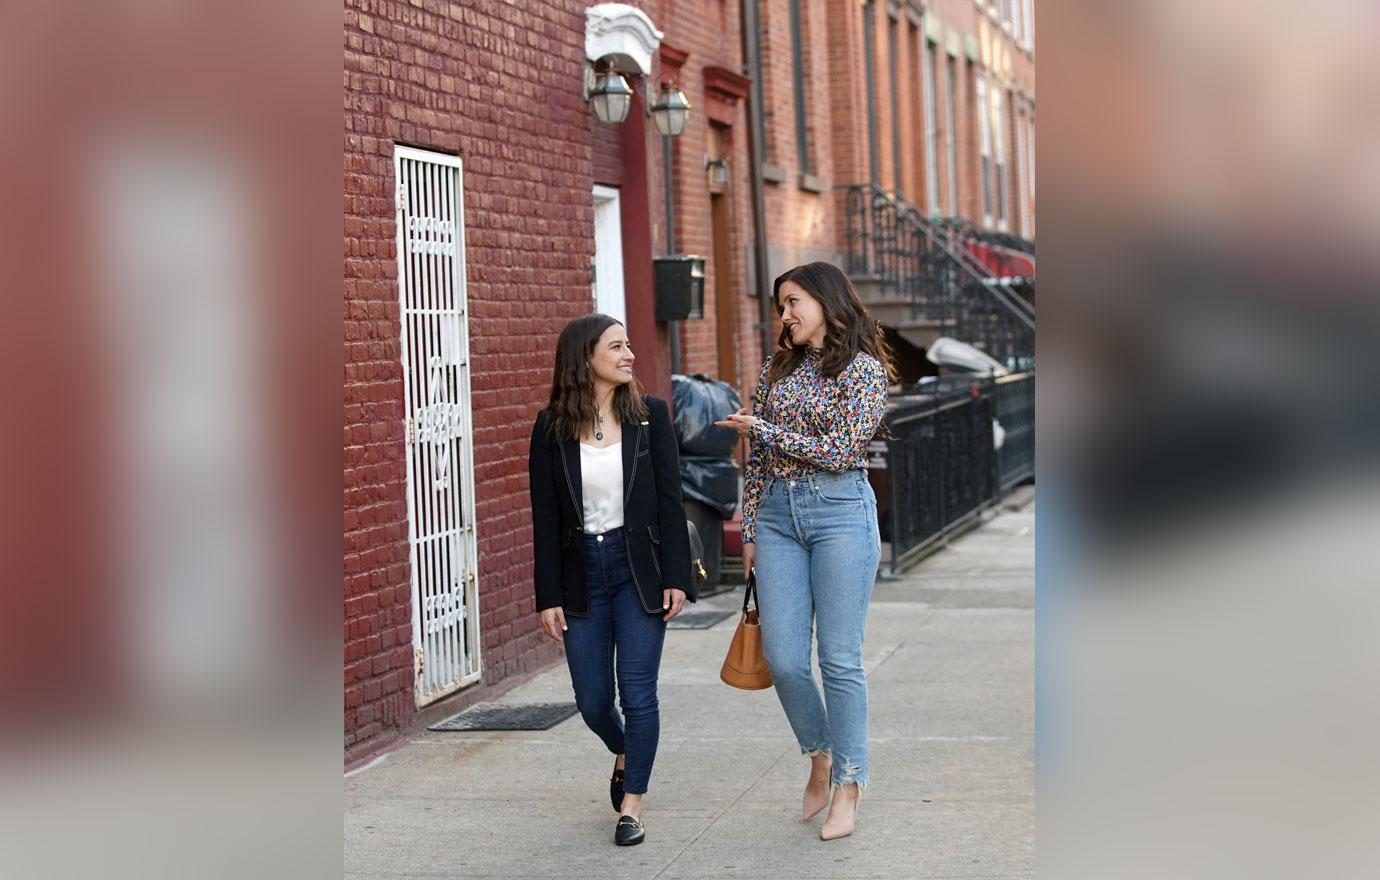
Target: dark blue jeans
617,636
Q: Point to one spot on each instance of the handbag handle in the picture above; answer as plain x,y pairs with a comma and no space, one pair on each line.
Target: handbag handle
750,589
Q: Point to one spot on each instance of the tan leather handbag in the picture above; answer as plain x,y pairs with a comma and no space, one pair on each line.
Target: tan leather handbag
746,665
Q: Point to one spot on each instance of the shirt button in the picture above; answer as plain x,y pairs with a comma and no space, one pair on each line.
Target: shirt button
600,538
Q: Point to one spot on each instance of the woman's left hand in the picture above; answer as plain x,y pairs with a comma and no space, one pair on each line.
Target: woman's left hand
740,421
672,599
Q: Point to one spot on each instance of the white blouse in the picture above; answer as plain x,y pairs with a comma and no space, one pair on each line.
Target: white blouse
601,474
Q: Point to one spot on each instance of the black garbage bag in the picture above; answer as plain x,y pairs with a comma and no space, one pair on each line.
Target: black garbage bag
699,402
710,481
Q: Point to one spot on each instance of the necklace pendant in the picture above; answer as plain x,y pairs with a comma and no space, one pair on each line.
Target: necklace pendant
598,435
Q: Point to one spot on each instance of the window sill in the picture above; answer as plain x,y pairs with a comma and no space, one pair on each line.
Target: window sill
811,183
773,173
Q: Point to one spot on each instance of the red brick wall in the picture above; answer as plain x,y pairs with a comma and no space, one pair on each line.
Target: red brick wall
803,225
705,30
842,63
607,154
455,79
803,217
964,17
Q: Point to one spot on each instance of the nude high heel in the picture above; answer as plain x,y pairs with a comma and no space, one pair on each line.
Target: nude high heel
833,828
811,804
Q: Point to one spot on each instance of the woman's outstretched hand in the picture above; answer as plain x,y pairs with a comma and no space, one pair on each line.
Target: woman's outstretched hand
740,421
553,622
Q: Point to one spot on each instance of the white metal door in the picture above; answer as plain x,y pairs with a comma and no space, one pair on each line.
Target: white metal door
440,448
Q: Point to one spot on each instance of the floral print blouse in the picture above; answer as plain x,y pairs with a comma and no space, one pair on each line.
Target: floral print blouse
809,423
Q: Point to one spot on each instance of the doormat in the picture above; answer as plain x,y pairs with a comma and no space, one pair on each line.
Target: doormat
698,619
503,716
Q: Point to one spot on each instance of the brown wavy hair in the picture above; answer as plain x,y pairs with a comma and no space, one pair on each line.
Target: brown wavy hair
849,327
572,405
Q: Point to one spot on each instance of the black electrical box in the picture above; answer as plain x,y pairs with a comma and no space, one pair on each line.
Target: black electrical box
679,287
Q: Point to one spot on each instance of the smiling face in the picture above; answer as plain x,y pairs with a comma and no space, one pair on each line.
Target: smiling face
801,315
612,361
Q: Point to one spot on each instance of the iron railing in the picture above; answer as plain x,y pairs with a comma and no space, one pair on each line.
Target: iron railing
1002,251
965,229
1016,415
910,258
943,467
904,257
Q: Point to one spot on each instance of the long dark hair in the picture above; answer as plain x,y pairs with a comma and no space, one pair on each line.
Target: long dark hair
572,405
849,327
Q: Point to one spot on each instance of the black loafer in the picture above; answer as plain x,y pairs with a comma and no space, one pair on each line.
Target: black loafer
616,789
629,832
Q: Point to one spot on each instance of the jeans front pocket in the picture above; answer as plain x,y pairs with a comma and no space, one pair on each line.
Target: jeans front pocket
847,492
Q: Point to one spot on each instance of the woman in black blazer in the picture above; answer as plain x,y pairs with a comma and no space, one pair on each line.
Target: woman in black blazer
611,545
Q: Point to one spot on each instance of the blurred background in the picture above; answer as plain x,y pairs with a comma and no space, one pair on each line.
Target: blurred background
1206,673
171,625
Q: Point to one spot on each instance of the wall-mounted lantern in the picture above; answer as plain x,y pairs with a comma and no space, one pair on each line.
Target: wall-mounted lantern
671,111
620,44
717,172
611,96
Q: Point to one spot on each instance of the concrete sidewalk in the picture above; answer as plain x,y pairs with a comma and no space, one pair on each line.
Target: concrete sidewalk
950,659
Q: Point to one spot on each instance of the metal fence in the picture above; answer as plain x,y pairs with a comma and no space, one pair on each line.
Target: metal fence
942,462
1016,415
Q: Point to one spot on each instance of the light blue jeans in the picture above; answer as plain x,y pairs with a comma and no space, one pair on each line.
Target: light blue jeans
817,554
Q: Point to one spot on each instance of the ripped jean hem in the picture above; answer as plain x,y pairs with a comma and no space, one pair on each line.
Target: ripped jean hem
846,774
841,775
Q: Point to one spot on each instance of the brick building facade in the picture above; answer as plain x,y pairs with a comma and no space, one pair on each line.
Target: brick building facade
857,91
988,47
499,86
713,217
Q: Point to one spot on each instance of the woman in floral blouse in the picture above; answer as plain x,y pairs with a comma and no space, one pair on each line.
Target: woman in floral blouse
810,521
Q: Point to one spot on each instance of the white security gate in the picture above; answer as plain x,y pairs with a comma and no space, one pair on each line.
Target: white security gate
440,447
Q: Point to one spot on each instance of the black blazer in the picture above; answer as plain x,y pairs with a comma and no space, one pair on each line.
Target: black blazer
653,514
